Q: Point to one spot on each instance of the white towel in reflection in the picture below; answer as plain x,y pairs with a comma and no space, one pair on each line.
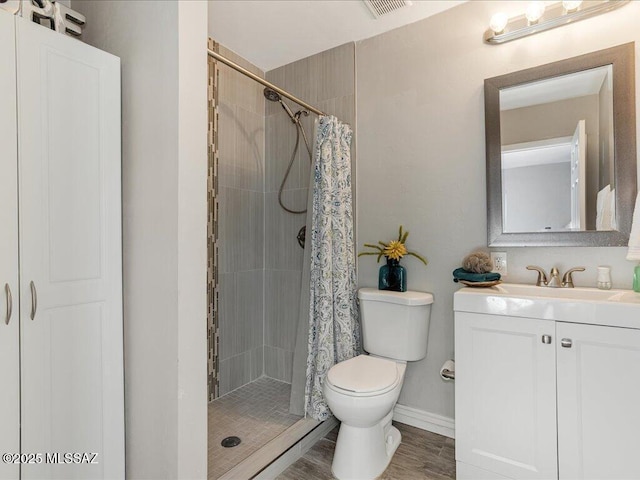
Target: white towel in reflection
612,209
603,209
634,239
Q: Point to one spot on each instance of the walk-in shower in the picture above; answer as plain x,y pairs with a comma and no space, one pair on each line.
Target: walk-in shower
259,182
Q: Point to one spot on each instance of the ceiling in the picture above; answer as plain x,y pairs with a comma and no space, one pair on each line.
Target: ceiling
574,85
526,157
272,33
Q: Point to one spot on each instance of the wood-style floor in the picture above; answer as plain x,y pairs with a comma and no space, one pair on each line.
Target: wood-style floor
422,455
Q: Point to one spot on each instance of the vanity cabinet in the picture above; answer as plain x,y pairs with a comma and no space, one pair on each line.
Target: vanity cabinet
505,395
61,347
598,391
543,399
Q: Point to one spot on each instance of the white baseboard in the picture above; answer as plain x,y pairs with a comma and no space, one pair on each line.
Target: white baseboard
431,422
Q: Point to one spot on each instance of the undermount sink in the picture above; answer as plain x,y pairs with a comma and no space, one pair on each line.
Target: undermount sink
579,305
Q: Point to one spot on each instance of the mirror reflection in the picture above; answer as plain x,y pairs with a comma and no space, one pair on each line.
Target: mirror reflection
557,152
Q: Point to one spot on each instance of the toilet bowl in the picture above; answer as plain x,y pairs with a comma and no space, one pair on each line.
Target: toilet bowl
362,391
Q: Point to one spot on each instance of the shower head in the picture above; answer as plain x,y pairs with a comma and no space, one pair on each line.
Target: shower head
274,96
271,95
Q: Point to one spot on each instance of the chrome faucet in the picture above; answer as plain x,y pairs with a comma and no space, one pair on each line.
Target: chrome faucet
554,281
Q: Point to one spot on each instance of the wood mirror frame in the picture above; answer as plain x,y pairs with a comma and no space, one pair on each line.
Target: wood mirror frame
622,59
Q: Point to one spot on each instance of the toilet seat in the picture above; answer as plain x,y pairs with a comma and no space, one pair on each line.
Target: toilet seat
365,376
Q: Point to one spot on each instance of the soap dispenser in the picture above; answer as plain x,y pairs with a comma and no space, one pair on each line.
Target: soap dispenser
604,278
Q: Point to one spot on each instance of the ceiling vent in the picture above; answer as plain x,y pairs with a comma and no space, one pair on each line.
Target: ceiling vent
384,7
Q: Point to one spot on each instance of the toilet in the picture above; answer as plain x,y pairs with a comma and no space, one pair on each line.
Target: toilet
362,391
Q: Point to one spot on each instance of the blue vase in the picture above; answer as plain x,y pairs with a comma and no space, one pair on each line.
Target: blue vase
392,276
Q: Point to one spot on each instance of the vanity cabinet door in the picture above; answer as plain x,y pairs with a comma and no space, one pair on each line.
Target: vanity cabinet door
506,395
9,321
598,402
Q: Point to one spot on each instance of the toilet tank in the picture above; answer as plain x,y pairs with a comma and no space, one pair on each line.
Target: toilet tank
395,324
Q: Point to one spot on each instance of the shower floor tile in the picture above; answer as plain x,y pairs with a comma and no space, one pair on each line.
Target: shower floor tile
256,412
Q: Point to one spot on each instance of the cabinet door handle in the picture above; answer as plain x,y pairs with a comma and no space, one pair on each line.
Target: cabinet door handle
7,290
546,339
566,342
34,300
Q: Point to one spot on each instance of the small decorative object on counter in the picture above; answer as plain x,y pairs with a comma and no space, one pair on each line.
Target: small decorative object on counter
476,271
478,262
604,278
393,276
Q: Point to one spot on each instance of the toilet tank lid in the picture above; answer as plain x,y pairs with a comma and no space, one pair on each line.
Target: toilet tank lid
402,298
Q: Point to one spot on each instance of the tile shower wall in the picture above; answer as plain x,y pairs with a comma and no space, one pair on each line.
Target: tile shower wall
327,81
241,228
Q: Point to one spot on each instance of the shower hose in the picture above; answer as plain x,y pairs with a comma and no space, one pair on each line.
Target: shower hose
299,128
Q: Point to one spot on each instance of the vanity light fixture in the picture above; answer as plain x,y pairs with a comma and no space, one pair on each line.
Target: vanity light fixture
498,22
571,6
538,18
534,12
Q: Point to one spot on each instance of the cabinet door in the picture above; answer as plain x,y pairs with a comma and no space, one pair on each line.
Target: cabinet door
70,253
506,395
598,402
9,326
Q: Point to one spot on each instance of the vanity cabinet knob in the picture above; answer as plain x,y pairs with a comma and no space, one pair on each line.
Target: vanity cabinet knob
546,339
566,342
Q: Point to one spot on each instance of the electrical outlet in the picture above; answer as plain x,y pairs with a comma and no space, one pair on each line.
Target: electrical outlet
499,262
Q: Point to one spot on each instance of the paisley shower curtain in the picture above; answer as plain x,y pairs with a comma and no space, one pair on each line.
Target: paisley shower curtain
334,332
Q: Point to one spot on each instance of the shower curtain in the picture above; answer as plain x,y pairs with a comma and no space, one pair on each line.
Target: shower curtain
332,331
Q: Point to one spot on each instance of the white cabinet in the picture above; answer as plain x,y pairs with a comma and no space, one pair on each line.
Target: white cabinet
598,401
65,184
505,395
9,320
540,399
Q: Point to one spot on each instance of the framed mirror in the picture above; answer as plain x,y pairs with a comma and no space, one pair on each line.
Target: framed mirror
561,152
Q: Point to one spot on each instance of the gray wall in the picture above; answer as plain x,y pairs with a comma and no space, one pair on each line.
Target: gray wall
241,227
327,81
421,157
537,196
559,119
164,169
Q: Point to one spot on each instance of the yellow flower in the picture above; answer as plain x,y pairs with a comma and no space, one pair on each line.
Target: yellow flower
395,250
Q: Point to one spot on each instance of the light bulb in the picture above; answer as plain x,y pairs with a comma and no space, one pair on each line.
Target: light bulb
498,22
534,12
571,6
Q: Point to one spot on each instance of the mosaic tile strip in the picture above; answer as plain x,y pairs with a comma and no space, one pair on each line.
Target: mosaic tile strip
213,330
